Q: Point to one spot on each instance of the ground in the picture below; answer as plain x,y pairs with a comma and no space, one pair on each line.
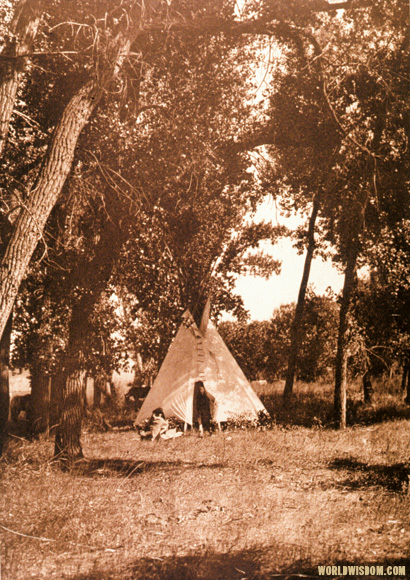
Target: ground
236,505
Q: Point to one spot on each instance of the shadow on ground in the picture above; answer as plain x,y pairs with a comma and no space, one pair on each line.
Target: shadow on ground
362,475
246,565
122,467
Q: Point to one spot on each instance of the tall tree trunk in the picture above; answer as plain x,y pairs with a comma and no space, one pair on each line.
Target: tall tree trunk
367,387
23,28
40,401
341,354
97,391
4,381
93,282
56,392
67,446
405,380
297,321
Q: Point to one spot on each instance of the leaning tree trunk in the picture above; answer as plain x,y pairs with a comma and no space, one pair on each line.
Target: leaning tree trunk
297,321
341,354
23,28
29,226
4,381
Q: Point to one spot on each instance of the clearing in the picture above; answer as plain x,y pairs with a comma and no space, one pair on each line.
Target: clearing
236,505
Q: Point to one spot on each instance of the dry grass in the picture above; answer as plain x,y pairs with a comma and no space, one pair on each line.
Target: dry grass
244,504
312,404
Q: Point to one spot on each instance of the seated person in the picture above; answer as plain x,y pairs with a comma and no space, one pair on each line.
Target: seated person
159,427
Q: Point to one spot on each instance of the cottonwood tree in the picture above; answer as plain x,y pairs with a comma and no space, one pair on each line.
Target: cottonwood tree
262,348
111,34
371,108
65,339
360,87
389,288
302,141
31,214
193,238
212,206
17,36
30,222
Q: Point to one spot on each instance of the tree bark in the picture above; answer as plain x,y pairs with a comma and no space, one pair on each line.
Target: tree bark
39,415
97,391
12,59
29,226
300,306
4,382
67,448
67,445
367,387
56,393
405,387
93,277
341,354
405,380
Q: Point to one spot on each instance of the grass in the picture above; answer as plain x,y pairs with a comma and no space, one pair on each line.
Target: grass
312,404
237,505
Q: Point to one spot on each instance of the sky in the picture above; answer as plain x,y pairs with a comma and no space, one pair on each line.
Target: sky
262,296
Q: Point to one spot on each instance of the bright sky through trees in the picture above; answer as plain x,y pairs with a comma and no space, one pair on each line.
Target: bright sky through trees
262,296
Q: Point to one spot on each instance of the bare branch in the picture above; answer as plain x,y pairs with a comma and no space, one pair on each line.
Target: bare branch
28,120
323,85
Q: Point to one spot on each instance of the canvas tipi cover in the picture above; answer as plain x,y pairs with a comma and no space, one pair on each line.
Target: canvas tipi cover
200,355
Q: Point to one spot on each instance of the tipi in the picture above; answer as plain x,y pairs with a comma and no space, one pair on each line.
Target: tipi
200,354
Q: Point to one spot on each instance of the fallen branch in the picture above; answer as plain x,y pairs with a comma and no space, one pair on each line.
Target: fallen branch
42,539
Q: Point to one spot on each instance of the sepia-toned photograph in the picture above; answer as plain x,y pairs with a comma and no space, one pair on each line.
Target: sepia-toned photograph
204,289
